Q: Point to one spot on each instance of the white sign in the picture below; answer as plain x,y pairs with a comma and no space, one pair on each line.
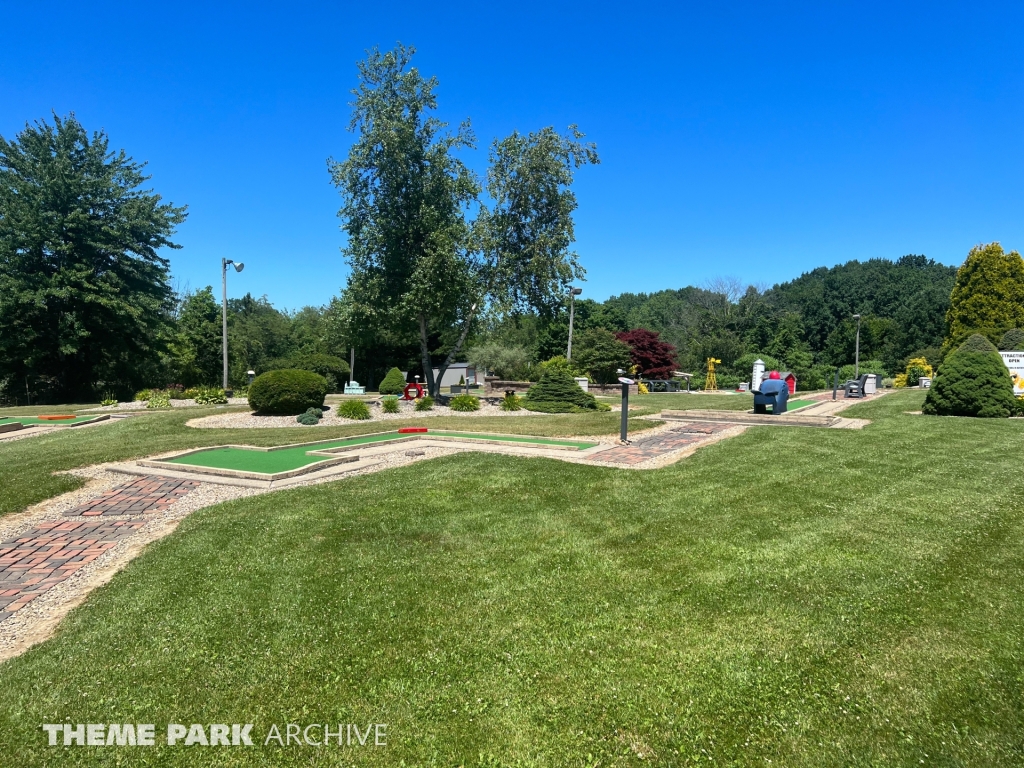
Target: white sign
1015,363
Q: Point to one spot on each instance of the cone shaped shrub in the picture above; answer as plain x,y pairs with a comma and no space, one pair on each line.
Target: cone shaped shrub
972,381
287,392
393,384
558,392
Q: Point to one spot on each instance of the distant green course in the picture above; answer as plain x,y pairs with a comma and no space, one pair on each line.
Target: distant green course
794,404
34,421
292,458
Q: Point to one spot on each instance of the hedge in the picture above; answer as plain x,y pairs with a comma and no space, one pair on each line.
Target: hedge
287,392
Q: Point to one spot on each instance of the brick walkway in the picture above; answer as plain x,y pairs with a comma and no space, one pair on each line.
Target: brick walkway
46,555
136,497
646,448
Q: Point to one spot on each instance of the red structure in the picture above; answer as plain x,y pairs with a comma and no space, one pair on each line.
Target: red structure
790,380
416,390
787,377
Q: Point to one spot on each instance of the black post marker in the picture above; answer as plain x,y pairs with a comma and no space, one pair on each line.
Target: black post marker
835,384
625,407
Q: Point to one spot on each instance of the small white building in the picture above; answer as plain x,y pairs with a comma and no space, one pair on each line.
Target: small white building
456,372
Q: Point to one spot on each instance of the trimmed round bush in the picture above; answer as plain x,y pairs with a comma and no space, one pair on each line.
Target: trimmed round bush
393,384
558,392
308,419
464,403
287,392
354,409
389,404
425,403
972,381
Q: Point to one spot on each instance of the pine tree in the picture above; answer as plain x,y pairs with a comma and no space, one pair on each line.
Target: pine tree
988,295
84,294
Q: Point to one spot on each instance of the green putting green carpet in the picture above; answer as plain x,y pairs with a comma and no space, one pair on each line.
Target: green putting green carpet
291,458
794,404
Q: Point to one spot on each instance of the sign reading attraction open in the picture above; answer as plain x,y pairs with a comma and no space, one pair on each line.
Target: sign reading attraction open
1015,363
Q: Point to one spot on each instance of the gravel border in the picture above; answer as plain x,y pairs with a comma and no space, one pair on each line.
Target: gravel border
140,405
331,419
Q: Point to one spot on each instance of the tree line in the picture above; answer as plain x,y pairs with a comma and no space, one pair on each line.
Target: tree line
445,266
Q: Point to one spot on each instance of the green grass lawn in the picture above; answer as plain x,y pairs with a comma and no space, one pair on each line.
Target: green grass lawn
856,600
27,466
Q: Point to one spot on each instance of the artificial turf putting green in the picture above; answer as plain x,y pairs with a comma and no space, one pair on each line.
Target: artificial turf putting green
288,459
794,404
35,421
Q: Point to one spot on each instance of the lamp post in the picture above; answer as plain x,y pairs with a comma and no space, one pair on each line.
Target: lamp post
224,313
856,354
573,293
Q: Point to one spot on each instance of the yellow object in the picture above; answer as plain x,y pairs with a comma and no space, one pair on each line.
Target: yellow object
711,382
641,389
900,380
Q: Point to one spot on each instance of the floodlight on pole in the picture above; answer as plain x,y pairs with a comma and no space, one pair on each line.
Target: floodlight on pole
573,293
856,354
239,266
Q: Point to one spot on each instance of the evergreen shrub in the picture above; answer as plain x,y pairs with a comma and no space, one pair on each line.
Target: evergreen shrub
393,384
425,403
1012,341
972,381
287,392
558,392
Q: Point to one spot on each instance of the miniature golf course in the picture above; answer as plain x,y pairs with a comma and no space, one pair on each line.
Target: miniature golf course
291,458
64,420
794,404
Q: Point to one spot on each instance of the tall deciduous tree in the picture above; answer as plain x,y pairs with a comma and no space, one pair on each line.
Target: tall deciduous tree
196,344
84,293
419,264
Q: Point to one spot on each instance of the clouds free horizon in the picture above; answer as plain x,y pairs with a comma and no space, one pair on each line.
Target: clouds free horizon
741,141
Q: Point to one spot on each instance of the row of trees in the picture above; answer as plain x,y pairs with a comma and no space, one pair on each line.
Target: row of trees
804,325
444,266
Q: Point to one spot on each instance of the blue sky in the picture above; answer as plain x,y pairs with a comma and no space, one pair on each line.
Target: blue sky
751,140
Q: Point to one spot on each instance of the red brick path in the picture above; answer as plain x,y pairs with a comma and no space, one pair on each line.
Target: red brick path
46,555
136,497
49,553
646,448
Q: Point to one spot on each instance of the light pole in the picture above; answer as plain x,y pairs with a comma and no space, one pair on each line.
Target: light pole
856,354
224,314
573,293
